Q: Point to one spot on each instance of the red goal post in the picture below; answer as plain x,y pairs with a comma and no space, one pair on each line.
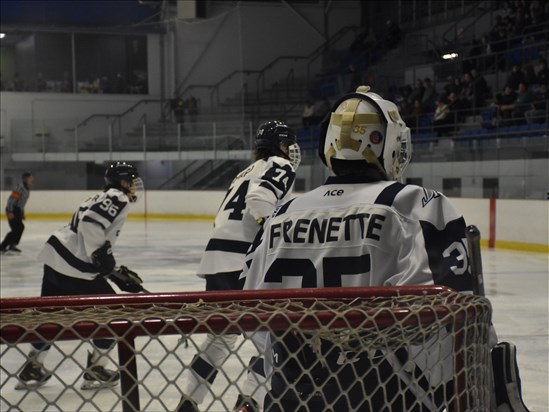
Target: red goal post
158,334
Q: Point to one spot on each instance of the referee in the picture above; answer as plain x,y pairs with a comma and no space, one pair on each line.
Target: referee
15,211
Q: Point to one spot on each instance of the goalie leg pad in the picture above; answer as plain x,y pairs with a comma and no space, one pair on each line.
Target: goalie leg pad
507,383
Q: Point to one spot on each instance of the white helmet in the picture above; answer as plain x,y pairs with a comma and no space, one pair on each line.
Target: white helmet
364,126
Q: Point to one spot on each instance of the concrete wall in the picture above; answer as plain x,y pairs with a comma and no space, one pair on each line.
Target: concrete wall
250,35
520,224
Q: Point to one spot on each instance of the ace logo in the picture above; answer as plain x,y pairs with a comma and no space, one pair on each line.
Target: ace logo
335,192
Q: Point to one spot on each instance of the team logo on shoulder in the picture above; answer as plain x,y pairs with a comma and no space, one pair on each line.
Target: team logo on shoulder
429,195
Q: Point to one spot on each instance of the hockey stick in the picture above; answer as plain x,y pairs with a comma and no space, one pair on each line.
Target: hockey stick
507,384
475,259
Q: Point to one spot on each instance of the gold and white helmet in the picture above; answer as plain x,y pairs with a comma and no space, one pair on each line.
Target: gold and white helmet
364,126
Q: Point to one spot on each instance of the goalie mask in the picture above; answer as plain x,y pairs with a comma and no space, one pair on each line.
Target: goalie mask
124,176
365,127
270,135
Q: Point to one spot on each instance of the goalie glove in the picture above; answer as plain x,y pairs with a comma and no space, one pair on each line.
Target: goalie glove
103,259
126,279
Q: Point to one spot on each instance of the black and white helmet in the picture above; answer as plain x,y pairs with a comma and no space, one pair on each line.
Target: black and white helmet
365,127
124,176
270,135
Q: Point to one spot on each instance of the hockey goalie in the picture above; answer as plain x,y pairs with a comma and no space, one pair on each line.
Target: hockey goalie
363,228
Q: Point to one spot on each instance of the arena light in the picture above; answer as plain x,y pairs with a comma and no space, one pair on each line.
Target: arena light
2,35
449,56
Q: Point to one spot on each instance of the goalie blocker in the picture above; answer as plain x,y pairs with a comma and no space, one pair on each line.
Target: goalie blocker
507,384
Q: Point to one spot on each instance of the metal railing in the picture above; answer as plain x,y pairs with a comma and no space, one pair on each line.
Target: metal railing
261,76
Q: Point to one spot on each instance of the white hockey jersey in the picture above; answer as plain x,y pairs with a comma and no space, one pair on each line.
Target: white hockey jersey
98,219
254,193
355,232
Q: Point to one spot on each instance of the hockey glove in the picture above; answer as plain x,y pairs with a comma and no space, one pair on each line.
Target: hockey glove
103,259
126,279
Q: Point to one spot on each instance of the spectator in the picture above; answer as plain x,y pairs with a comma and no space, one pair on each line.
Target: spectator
537,112
458,106
394,34
442,117
542,73
417,93
177,105
456,86
524,101
468,90
537,12
403,100
481,90
515,77
192,108
505,102
412,119
530,77
307,117
429,95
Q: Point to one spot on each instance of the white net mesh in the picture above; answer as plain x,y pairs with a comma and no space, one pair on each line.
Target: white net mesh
409,349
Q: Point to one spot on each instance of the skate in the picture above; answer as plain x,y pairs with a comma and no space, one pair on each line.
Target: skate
245,404
97,377
187,405
32,376
11,251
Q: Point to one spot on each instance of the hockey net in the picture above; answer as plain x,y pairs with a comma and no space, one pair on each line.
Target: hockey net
368,349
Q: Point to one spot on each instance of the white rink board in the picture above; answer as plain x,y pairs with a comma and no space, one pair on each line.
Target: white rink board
523,221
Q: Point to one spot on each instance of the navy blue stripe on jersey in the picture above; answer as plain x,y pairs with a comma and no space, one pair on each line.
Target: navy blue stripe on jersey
282,209
387,195
203,369
227,245
90,220
448,255
268,186
419,377
337,180
69,257
257,365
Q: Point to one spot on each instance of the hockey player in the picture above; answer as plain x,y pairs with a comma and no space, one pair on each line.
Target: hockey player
252,196
78,260
361,228
15,211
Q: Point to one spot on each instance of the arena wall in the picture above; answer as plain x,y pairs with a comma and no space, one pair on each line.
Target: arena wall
518,224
